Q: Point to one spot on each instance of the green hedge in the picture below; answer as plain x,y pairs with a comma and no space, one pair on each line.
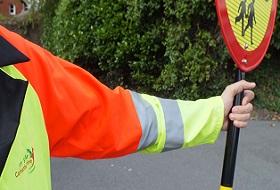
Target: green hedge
168,48
171,49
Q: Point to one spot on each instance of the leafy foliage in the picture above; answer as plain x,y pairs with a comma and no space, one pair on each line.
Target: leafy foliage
168,48
267,76
275,41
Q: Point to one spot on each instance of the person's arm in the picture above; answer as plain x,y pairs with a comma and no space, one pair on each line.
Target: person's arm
86,119
172,124
180,124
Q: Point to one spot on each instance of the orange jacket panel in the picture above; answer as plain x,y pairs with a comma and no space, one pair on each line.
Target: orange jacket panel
83,117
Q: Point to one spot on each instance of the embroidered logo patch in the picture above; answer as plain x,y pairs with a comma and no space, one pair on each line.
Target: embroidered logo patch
27,164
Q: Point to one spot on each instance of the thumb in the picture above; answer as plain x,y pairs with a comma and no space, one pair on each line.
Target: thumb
239,86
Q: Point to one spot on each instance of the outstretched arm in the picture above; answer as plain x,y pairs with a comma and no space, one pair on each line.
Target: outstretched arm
86,119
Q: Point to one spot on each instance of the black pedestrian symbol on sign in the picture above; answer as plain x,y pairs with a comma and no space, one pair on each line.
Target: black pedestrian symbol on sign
251,19
242,14
247,17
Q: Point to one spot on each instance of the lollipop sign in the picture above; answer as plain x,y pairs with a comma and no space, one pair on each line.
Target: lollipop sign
247,27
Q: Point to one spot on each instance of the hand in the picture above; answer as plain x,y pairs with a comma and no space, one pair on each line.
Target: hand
239,114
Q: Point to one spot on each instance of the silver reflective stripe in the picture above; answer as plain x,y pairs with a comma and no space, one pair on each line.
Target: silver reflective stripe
174,124
148,120
170,119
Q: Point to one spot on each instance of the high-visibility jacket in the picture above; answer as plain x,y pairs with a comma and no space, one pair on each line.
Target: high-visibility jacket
85,119
24,158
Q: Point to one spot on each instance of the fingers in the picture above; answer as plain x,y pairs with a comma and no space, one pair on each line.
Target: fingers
240,117
240,124
248,96
247,108
241,114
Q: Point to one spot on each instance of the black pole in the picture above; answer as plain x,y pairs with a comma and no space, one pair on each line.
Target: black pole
231,143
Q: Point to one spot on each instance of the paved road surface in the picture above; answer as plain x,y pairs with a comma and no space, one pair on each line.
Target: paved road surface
199,168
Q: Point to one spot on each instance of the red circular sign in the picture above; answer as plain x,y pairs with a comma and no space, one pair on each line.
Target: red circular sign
247,27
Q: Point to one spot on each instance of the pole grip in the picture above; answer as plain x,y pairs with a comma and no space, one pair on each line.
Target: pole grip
231,143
